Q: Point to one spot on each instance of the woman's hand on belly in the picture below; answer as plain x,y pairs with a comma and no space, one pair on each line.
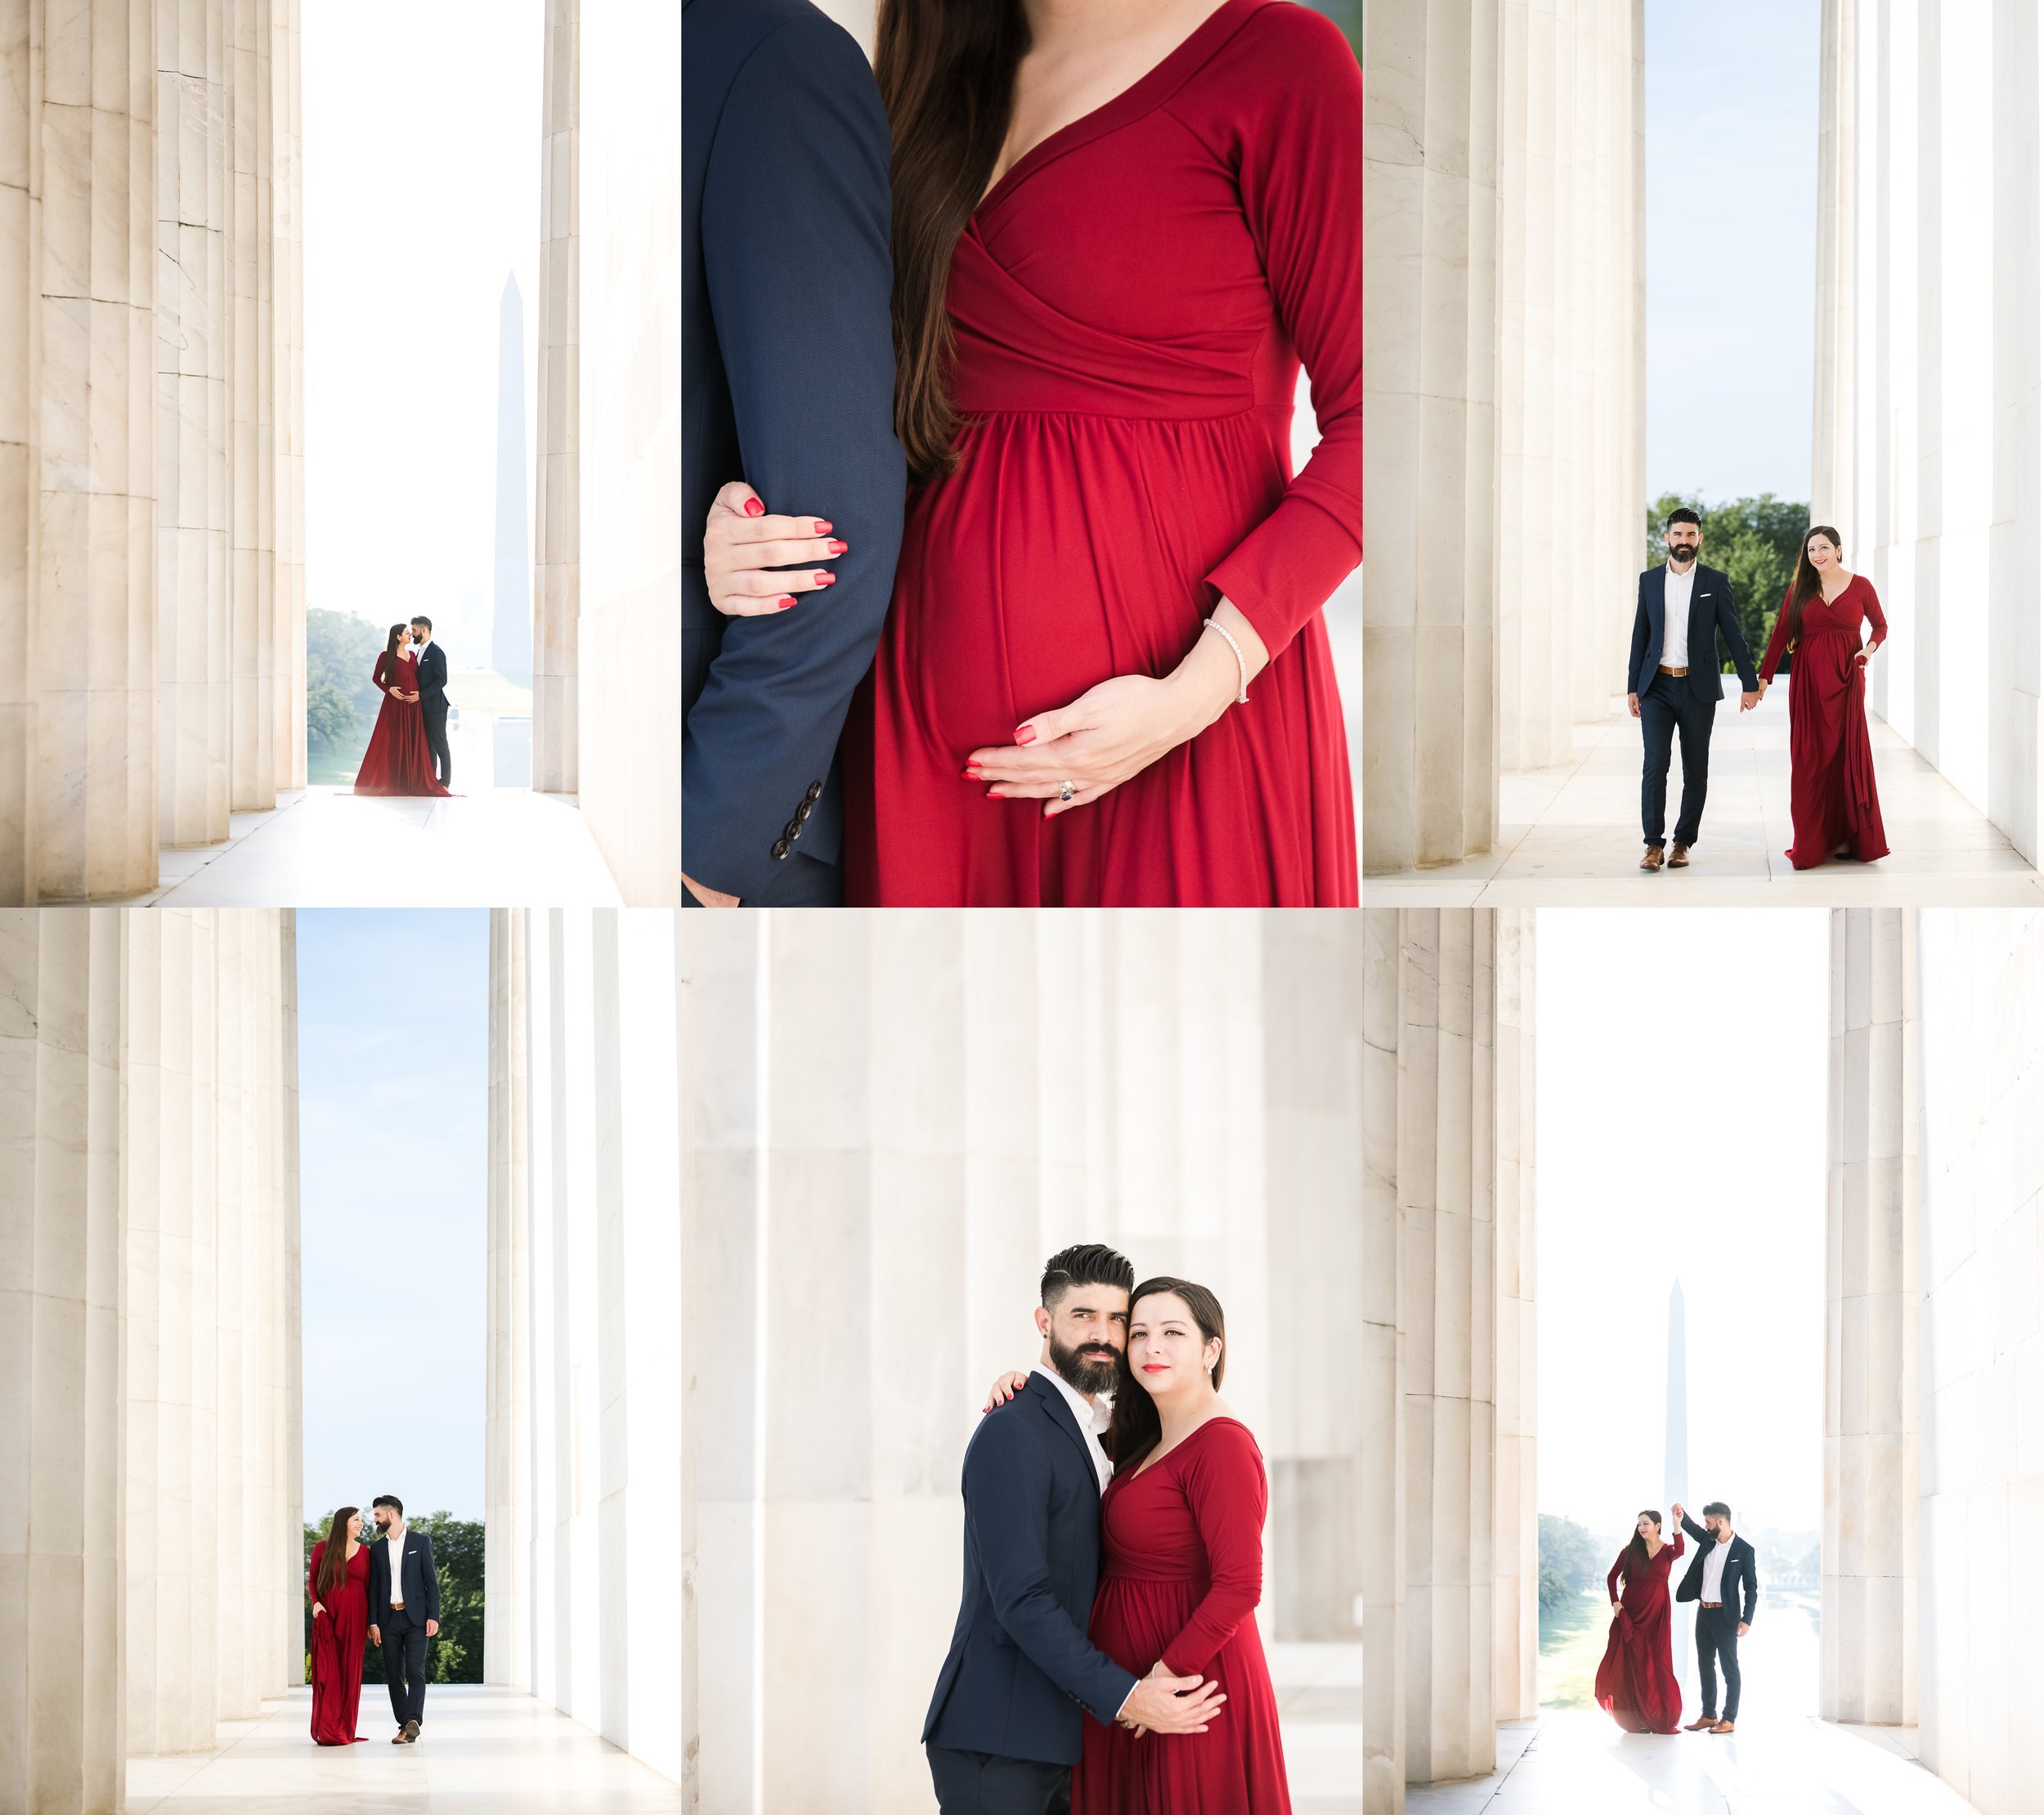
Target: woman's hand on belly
1120,727
741,546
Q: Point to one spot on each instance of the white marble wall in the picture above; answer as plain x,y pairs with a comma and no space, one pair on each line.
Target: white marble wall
628,323
1981,1332
149,435
1927,410
1867,1666
1503,398
1451,1625
557,511
894,1119
603,1587
148,1335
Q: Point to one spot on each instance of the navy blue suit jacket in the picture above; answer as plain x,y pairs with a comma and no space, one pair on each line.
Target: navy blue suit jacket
1710,616
432,688
1739,1588
421,1582
787,383
1021,1676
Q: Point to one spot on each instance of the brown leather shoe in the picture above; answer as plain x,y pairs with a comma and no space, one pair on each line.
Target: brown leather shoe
1698,1726
410,1735
1723,1727
1679,857
1653,859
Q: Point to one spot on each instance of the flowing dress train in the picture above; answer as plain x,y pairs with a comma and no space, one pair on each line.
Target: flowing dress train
1636,1682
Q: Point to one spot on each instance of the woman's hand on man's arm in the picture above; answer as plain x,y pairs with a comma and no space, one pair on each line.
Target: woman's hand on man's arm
741,546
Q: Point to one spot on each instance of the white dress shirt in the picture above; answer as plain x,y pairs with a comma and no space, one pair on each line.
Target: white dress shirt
1714,1569
395,1557
1092,1419
1675,627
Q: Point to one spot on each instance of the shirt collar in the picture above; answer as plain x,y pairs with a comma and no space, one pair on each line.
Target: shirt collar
1092,1418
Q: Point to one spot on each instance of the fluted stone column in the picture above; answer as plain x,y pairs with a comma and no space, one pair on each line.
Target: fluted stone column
1867,1669
628,431
1449,1526
556,601
195,326
21,443
507,1449
172,1179
94,655
287,317
1516,1602
1570,482
62,1397
1430,201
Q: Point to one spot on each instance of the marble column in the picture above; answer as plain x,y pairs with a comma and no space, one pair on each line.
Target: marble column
195,326
1867,1666
628,325
1572,489
20,440
508,1448
1448,1417
604,1418
62,1340
95,821
557,511
1517,1596
287,336
1430,348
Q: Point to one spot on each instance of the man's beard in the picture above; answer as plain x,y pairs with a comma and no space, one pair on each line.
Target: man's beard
1680,555
1091,1367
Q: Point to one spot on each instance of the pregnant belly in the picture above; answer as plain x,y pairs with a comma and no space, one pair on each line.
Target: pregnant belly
1064,551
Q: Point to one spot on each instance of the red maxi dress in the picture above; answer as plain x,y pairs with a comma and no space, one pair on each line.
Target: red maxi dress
397,760
1131,302
338,1636
1636,1682
1831,796
1183,1573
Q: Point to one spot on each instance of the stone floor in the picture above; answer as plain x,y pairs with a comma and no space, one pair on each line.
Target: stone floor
1570,833
1580,1763
323,847
1320,1697
481,1752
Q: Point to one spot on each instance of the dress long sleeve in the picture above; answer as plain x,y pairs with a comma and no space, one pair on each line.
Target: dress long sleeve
1777,644
1611,1580
1224,1487
313,1572
1874,616
1300,172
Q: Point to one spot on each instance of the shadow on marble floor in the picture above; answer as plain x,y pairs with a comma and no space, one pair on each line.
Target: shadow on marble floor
1569,835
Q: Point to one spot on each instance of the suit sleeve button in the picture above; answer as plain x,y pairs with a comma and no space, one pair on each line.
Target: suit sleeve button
780,847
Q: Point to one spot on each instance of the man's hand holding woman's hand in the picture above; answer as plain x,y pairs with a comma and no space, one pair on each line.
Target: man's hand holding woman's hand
742,545
1120,727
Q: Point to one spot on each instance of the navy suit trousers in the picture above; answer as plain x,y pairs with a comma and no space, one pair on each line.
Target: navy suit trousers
1668,706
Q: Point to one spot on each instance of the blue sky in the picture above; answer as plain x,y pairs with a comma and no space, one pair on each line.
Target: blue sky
1730,245
393,1106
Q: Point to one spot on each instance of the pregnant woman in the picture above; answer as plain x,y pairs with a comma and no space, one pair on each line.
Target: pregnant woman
1104,677
338,1582
398,760
1636,1682
1833,805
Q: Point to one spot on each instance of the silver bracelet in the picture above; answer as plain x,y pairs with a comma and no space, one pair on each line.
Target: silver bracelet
1241,667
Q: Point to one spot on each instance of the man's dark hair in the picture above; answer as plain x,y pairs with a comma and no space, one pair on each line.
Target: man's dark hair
1088,1265
390,1500
1719,1508
1680,514
423,619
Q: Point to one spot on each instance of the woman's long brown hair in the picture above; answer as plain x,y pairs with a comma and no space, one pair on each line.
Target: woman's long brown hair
390,648
1805,586
947,78
333,1559
1636,1551
1134,1429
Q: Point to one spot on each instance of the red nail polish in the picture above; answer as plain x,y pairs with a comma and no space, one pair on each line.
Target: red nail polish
839,548
995,794
785,603
969,774
826,579
754,507
1026,735
822,528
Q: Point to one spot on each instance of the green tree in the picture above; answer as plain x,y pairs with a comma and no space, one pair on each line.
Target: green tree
1754,541
1577,1559
341,699
453,1654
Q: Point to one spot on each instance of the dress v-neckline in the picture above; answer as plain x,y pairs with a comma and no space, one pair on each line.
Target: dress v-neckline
1151,1462
1134,101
